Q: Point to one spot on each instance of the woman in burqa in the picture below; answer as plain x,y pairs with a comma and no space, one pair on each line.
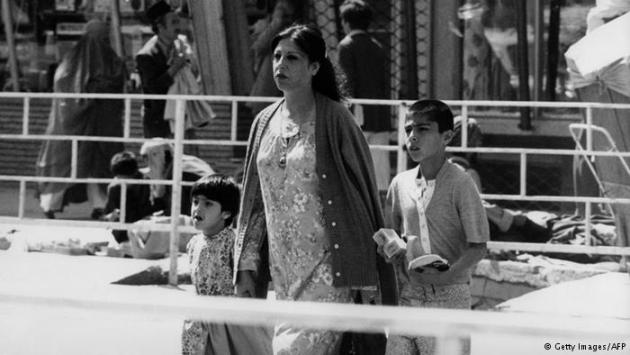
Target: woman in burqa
91,66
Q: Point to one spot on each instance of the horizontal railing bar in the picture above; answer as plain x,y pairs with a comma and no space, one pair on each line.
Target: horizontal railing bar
119,139
334,316
533,247
493,150
559,248
536,151
165,227
548,198
513,197
226,98
89,180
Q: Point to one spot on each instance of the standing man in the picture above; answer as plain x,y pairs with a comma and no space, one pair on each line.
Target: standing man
158,62
363,60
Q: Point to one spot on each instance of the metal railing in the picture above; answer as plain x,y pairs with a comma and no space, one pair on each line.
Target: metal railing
447,325
178,142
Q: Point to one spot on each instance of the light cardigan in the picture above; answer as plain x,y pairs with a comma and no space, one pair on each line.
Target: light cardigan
349,196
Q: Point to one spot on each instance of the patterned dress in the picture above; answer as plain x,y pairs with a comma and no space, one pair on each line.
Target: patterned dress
211,273
299,249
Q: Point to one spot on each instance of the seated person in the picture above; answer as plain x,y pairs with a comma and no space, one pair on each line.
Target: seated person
159,156
138,205
505,224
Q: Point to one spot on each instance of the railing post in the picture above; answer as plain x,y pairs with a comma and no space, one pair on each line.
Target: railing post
464,129
74,158
176,189
523,175
587,224
127,123
123,202
401,163
234,121
25,115
22,199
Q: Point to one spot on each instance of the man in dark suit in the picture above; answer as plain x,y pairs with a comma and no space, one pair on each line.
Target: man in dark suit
158,62
364,62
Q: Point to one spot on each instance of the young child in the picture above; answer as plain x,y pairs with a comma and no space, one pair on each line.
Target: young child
125,166
437,206
215,203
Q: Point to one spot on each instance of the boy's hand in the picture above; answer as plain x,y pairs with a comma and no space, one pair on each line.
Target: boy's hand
245,286
395,259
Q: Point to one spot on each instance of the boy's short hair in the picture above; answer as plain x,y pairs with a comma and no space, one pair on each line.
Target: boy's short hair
124,163
356,13
435,111
220,188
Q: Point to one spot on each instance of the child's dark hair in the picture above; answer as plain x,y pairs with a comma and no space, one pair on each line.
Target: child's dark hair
220,188
124,163
435,111
356,13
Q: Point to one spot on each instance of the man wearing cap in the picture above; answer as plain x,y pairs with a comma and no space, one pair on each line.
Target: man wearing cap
158,62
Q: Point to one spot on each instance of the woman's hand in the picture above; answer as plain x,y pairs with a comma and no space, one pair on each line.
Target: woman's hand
245,285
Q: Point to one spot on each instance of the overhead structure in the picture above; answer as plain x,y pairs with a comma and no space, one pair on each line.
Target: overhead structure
8,31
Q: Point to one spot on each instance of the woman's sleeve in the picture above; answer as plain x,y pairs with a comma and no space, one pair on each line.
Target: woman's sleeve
358,160
255,233
252,218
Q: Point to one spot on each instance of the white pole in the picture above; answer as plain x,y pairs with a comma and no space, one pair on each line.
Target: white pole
402,155
176,189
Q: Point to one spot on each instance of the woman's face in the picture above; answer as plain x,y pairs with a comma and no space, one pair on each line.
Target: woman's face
292,70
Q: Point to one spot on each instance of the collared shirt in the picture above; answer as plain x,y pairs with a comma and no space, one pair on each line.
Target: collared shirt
454,213
424,193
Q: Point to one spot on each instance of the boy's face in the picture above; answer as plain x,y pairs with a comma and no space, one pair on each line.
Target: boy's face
424,141
207,215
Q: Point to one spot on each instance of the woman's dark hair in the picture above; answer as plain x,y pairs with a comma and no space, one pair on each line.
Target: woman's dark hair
124,163
310,41
220,188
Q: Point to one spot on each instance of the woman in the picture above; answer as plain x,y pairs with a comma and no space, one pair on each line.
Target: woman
309,196
91,66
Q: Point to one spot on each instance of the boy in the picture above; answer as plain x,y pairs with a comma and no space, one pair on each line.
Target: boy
215,204
125,166
438,207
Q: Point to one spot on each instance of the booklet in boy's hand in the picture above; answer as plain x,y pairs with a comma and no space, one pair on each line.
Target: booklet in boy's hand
429,260
390,241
